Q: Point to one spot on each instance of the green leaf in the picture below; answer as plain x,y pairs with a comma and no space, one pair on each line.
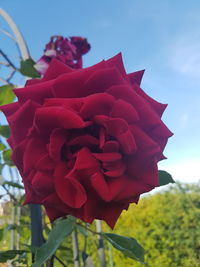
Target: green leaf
5,131
127,245
10,254
13,184
6,95
1,233
2,146
27,68
165,178
1,167
82,230
61,229
7,157
11,227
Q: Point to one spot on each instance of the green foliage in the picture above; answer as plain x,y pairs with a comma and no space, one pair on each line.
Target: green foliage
6,94
10,254
167,225
61,229
5,131
27,68
7,157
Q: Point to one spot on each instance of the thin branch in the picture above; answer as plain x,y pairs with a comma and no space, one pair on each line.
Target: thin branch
5,81
59,260
11,75
8,34
4,64
7,59
90,230
10,195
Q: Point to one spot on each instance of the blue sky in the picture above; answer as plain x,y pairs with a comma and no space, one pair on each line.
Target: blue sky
162,37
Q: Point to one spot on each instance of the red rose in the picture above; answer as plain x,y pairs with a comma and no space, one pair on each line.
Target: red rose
86,141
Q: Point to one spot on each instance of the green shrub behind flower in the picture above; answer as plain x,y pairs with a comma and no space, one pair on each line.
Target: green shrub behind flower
167,224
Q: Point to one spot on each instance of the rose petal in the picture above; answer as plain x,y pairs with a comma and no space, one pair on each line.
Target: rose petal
71,84
110,212
57,140
69,190
136,77
84,140
158,107
48,118
117,62
124,110
119,129
86,162
97,104
71,103
56,68
21,121
110,146
43,183
107,157
34,92
17,155
9,109
86,81
35,150
100,185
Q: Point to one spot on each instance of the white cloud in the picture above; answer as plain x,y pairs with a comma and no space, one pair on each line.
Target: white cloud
187,171
184,120
185,55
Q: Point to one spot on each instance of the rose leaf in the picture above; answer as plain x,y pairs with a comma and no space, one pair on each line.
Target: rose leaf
165,178
127,245
60,230
27,68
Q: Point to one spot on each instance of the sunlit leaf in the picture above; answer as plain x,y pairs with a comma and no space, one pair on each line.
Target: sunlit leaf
6,94
7,157
2,146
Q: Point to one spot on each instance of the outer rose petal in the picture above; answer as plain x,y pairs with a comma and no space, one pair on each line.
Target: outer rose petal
55,69
136,77
21,121
117,62
9,109
36,93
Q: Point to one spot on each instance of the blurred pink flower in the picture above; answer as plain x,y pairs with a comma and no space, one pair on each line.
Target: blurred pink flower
67,50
